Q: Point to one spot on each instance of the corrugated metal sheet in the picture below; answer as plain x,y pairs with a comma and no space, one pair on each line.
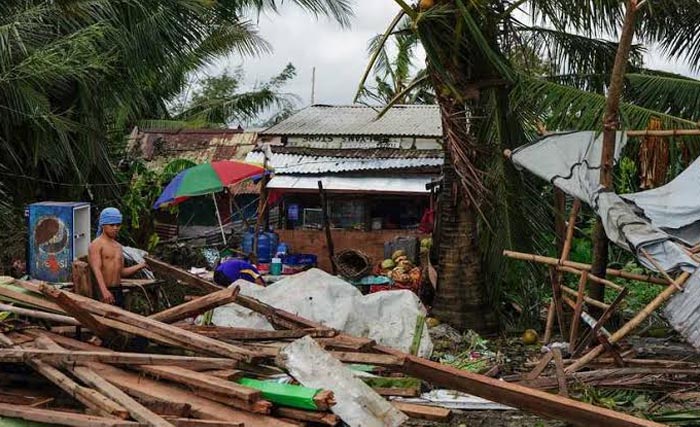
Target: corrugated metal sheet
400,120
357,184
159,147
301,164
367,153
683,310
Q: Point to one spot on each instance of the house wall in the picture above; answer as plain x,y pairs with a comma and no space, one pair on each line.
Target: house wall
369,242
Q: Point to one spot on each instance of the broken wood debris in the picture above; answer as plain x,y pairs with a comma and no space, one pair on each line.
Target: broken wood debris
206,387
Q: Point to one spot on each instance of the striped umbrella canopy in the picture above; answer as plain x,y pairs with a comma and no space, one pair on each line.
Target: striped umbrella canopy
204,179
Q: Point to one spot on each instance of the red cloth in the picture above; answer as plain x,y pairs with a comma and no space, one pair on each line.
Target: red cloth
427,221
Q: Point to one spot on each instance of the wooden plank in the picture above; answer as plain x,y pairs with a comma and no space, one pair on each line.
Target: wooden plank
245,334
203,382
89,377
36,314
189,422
60,418
173,333
554,279
197,306
424,412
517,396
79,313
260,406
66,356
395,391
226,374
541,365
88,397
160,267
576,321
140,387
30,300
310,416
561,377
82,282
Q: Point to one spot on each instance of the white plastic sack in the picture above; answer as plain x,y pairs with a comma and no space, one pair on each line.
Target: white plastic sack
388,317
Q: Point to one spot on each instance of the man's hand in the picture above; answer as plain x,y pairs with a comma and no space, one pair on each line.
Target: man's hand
142,265
107,297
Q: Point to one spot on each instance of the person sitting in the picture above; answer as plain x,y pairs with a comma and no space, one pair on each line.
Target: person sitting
233,269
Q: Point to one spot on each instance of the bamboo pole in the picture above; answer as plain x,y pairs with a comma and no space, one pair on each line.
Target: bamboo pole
589,300
570,231
632,324
592,277
577,309
670,132
660,268
581,266
600,323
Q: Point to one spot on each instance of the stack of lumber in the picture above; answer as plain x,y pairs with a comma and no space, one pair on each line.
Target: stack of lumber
60,366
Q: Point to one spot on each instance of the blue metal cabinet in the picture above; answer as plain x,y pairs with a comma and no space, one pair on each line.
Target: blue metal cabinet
59,233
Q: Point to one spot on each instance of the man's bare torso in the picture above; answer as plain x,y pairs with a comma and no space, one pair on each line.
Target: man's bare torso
112,260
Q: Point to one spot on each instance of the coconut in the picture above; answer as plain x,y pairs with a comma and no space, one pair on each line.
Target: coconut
530,337
388,264
426,4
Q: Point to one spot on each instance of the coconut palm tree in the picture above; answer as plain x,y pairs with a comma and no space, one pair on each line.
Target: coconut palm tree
492,100
398,78
74,74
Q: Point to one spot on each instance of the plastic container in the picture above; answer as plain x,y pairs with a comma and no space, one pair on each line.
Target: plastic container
282,250
276,267
267,244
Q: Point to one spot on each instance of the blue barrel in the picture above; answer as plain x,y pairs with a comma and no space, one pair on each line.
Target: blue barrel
274,240
248,238
265,247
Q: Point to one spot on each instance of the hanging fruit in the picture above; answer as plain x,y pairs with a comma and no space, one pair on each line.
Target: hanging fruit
426,4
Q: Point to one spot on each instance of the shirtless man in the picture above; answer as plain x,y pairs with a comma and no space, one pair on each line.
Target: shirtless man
107,260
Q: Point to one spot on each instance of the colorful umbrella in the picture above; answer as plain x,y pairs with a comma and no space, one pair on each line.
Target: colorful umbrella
205,179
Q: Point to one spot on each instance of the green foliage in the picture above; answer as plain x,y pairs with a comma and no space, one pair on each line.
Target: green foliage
220,100
75,75
137,202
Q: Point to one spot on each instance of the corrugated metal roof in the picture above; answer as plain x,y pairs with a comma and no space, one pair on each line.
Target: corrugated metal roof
158,147
400,120
357,184
303,164
370,153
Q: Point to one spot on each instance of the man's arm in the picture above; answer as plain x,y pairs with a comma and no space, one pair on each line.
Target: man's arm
129,271
95,259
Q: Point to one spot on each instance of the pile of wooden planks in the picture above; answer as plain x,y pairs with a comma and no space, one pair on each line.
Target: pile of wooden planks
190,375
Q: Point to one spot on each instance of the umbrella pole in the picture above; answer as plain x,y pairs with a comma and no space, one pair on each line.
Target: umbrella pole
218,217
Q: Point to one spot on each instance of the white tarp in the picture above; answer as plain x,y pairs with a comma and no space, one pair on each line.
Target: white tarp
358,405
388,317
571,162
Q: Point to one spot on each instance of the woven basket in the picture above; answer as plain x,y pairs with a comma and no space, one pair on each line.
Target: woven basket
353,264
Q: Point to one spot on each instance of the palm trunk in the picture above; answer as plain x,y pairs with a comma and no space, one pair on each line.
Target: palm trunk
461,298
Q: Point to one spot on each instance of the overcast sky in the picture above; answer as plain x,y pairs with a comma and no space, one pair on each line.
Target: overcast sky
338,54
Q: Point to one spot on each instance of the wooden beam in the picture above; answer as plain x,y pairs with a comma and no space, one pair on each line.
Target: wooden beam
189,422
541,365
260,406
517,396
310,416
30,300
18,355
140,387
71,307
89,377
51,417
607,314
165,269
246,334
559,369
197,306
203,381
36,314
88,397
423,412
173,333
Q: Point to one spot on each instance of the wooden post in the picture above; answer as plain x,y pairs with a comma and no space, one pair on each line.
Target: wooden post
610,126
327,227
262,205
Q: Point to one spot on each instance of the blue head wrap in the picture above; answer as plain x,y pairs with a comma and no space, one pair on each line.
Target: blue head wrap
109,216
